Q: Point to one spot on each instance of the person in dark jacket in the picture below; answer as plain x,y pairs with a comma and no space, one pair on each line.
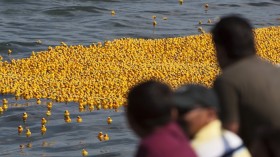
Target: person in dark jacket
249,86
149,114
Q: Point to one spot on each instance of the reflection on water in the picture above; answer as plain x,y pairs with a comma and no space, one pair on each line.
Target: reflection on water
23,23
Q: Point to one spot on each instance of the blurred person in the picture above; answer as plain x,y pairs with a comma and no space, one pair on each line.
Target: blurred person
267,144
149,114
248,86
198,109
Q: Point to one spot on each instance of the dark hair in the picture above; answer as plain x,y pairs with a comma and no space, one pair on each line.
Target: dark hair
191,96
149,104
235,35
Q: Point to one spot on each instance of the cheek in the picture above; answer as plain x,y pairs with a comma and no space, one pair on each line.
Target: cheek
195,121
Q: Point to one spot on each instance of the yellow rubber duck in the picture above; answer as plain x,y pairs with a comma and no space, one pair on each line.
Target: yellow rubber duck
1,110
154,17
181,2
113,13
5,107
209,21
29,145
48,113
200,22
106,137
20,129
9,52
109,120
49,105
24,116
79,119
84,152
67,119
66,113
81,107
154,23
200,29
17,97
38,101
43,121
43,129
206,5
105,107
165,18
100,136
5,101
28,133
91,108
39,42
98,107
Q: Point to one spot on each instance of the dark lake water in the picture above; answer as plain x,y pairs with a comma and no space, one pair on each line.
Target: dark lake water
24,22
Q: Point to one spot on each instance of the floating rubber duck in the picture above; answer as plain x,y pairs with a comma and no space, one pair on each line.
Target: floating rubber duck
200,29
48,113
81,107
20,129
100,136
66,113
38,101
154,17
206,6
84,152
17,97
28,133
106,137
209,21
113,13
105,107
154,23
1,110
67,119
43,121
9,52
5,101
165,18
39,42
109,120
79,119
91,108
21,146
200,22
49,105
43,129
181,2
29,145
24,116
5,107
98,107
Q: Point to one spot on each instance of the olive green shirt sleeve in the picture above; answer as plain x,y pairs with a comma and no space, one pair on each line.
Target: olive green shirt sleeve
228,98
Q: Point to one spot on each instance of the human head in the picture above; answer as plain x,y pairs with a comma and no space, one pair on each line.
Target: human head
197,106
148,107
234,40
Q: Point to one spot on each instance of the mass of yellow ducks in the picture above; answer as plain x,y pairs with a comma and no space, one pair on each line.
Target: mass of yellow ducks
99,76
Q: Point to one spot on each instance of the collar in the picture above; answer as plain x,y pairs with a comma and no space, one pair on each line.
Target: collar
210,131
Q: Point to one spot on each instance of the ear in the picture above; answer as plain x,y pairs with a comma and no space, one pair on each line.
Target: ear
174,113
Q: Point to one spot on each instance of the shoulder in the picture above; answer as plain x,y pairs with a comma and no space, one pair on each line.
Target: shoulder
167,141
235,142
232,138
